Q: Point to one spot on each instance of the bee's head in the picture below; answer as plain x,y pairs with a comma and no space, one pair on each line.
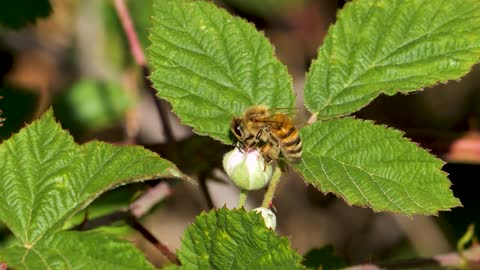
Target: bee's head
237,129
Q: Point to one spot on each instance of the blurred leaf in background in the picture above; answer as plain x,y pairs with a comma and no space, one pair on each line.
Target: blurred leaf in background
92,105
16,14
323,258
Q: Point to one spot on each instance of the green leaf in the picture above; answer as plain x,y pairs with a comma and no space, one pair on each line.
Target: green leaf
211,66
390,46
370,165
234,239
16,14
323,258
92,105
76,250
45,178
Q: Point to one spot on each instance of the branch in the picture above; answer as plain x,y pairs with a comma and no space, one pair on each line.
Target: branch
131,214
469,259
134,223
139,57
129,29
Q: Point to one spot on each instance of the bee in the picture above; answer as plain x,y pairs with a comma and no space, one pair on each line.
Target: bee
274,132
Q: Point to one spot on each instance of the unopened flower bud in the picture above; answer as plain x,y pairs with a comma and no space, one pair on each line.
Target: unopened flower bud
268,216
247,169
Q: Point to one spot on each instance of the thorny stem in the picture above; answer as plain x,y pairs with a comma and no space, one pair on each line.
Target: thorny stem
243,198
130,215
133,221
161,107
139,57
202,180
272,187
129,30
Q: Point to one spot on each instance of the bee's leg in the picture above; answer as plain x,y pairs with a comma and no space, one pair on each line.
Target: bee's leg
259,135
269,153
274,140
265,150
249,141
240,146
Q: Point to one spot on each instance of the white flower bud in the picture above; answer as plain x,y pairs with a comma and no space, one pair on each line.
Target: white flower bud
247,169
268,216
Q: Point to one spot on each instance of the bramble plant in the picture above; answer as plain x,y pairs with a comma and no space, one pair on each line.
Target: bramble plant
211,67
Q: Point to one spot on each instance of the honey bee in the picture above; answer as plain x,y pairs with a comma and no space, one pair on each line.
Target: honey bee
274,132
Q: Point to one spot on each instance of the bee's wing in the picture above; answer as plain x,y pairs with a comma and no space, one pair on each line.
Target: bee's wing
291,112
298,116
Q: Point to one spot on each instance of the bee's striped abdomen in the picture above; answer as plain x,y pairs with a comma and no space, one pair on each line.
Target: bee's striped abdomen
290,143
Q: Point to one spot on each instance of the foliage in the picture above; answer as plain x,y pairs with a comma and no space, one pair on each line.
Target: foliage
374,166
385,46
211,66
16,14
200,55
323,258
107,104
47,178
234,239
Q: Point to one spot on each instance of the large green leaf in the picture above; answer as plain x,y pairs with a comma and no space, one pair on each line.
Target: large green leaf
45,178
387,46
374,166
211,66
234,239
76,250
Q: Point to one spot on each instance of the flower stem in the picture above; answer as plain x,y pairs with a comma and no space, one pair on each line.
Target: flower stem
243,198
272,187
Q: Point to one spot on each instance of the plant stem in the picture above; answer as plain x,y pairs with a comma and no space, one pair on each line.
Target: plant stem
134,223
243,198
129,30
140,60
272,187
202,180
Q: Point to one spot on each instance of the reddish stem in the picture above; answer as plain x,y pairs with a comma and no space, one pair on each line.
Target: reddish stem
132,37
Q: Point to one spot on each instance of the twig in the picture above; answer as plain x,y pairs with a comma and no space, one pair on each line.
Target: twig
110,218
469,259
139,57
130,215
126,21
160,104
132,221
137,208
202,180
149,199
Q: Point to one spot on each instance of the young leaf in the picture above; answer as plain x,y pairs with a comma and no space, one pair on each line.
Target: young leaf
234,239
390,46
76,250
374,166
212,66
45,178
